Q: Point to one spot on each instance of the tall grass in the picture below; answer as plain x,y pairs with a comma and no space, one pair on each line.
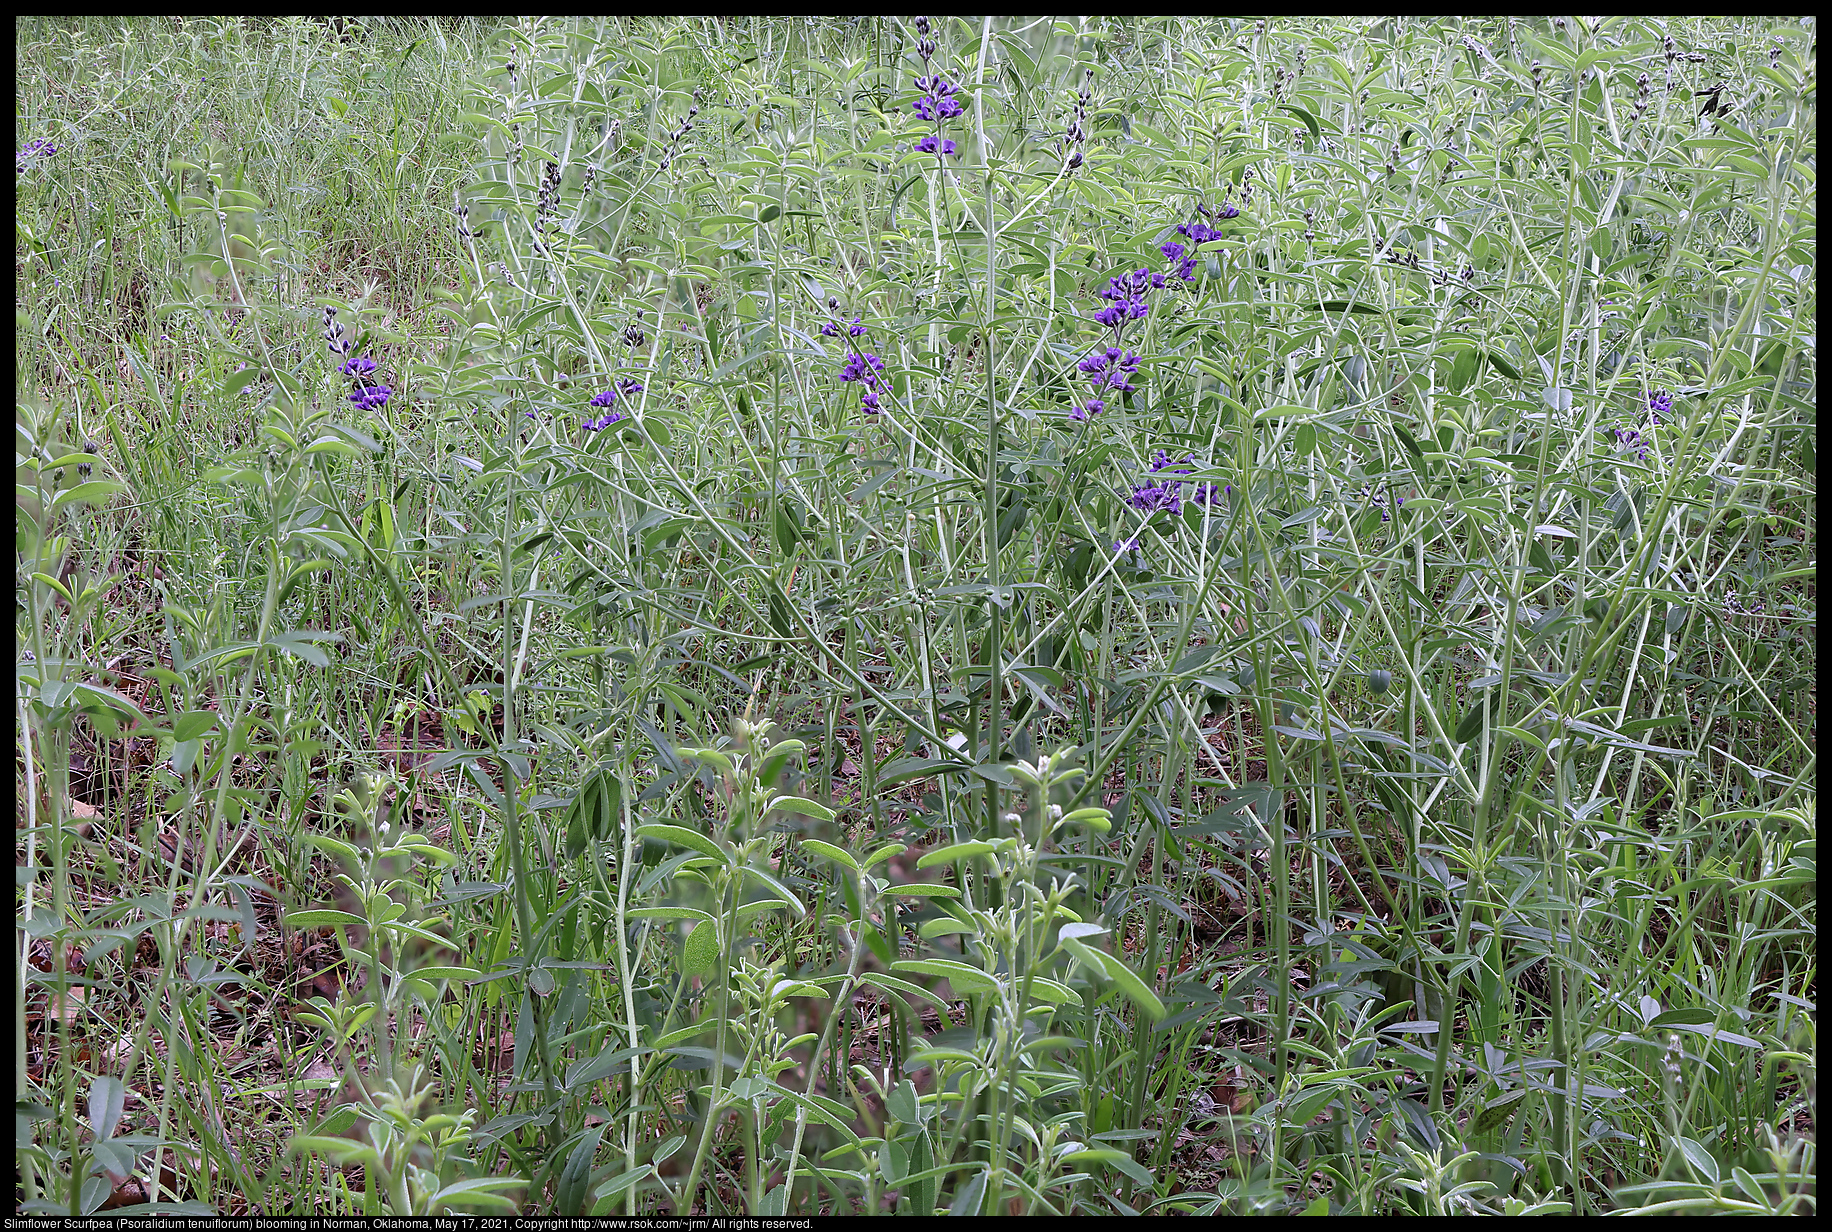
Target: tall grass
795,701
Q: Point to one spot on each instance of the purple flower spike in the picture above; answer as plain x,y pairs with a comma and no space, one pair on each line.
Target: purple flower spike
36,150
371,397
863,368
938,101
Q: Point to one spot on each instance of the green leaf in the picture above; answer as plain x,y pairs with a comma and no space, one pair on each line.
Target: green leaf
609,1193
956,851
681,836
668,913
925,890
320,918
890,983
1700,1160
964,979
107,1098
1106,964
1310,121
91,493
236,382
1463,369
1118,1159
803,806
192,724
833,853
700,955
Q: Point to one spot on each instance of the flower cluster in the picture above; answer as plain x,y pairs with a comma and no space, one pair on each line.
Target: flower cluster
370,397
1660,403
1125,296
680,134
1077,132
864,367
627,389
1628,440
938,100
547,205
1167,492
1378,498
359,368
34,151
1197,232
1111,369
832,329
1736,606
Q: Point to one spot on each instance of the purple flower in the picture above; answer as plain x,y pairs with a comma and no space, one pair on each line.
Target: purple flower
932,144
607,398
603,421
1092,407
855,329
357,367
628,387
1173,251
1153,497
1126,545
1110,369
868,402
830,329
938,101
1660,402
34,150
371,397
1167,494
864,368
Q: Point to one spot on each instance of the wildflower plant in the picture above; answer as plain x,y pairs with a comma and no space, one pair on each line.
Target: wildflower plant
1308,586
